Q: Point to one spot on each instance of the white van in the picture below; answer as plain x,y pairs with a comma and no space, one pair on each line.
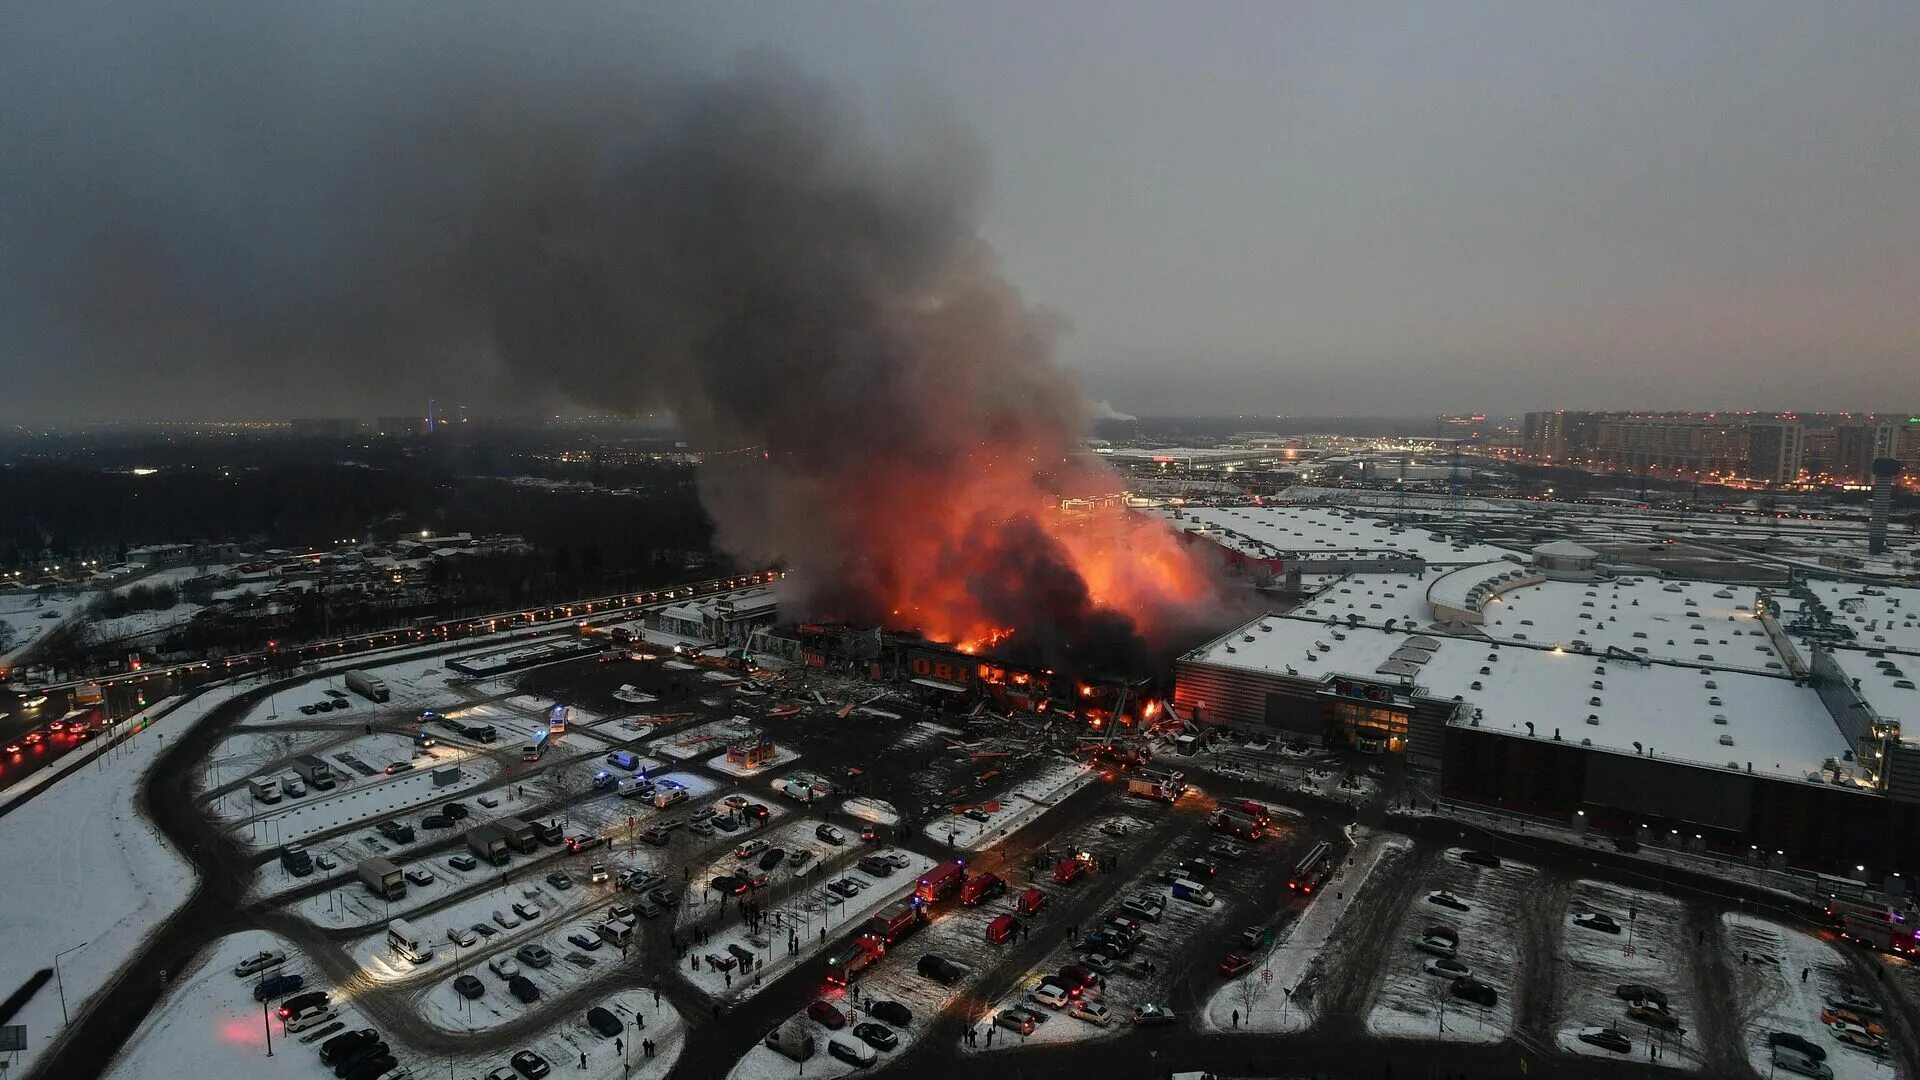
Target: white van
667,796
1787,1059
1193,892
793,1040
629,786
293,785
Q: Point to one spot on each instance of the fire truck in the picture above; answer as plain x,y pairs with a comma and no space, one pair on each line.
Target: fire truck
941,882
1156,784
1876,927
895,922
855,958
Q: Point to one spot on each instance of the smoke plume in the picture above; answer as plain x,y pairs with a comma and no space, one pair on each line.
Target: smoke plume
805,290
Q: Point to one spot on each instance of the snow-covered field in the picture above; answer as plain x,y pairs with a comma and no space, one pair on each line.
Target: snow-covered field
1784,985
1266,1006
142,623
1594,963
1018,807
701,740
114,880
873,811
1410,1001
29,615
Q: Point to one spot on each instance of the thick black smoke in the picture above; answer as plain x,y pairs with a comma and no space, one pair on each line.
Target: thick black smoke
289,214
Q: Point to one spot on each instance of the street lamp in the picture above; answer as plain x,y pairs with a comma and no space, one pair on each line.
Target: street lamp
61,982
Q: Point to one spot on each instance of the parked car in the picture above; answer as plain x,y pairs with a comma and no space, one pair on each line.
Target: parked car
417,876
583,942
484,930
463,862
534,955
892,1012
343,1045
469,987
1643,992
1022,1021
456,810
506,921
875,865
1446,899
829,834
1052,995
397,767
559,880
436,821
941,970
772,857
843,887
729,885
259,962
827,1013
462,936
503,966
657,836
523,989
1151,1014
1475,991
751,848
1235,964
530,1065
275,985
878,1036
604,1023
584,842
1480,858
1147,906
1796,1043
1446,968
526,910
852,1051
1593,920
1092,1012
1605,1039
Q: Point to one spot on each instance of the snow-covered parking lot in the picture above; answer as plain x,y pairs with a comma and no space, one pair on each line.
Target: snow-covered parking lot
1414,996
1784,978
1650,948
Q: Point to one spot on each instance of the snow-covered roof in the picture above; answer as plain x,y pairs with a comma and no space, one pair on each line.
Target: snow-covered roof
1684,621
1373,598
1467,588
1880,616
1888,682
1304,533
1566,549
1780,728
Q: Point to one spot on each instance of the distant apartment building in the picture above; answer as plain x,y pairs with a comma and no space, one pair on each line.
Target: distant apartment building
1557,436
1776,451
1698,443
1857,444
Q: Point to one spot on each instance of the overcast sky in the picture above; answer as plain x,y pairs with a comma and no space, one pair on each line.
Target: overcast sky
1281,208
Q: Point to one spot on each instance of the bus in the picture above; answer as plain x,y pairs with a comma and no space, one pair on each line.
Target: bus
406,939
536,747
1309,872
558,717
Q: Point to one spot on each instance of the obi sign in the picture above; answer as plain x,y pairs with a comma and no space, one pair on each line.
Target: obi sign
942,668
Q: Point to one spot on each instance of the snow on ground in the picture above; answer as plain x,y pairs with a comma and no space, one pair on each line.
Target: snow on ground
1266,1006
1410,1001
872,811
1784,988
116,881
701,740
1018,807
142,623
633,695
781,758
32,614
1594,963
357,798
381,964
925,733
209,1024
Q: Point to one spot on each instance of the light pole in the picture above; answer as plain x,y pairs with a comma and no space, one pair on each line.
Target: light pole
61,982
